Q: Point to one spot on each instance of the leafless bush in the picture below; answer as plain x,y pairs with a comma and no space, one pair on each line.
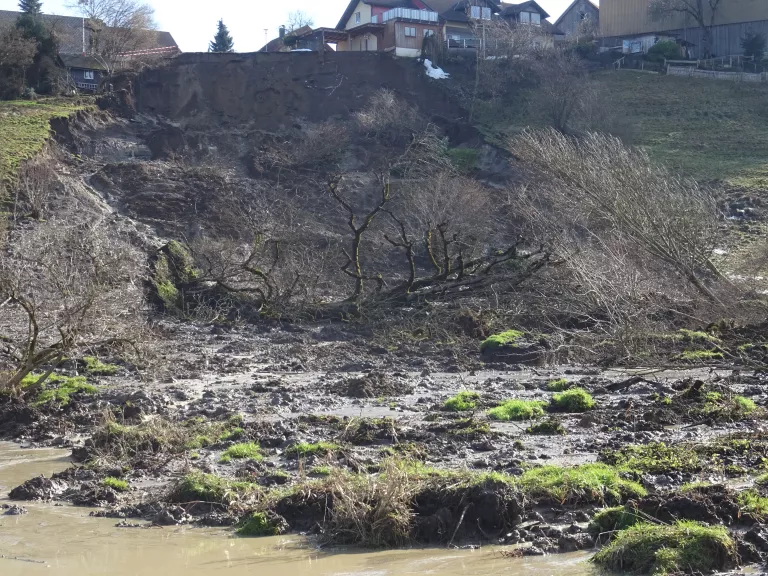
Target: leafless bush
617,218
17,53
389,118
565,88
34,186
66,288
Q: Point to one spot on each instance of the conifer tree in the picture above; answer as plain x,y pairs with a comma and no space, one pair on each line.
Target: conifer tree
222,42
31,7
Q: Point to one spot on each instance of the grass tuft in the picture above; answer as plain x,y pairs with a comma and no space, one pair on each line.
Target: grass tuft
58,389
462,402
244,451
95,367
257,524
116,484
517,410
588,483
304,449
549,427
558,385
499,340
653,458
682,548
573,400
612,519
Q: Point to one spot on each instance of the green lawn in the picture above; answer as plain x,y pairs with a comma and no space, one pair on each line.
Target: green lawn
24,128
712,130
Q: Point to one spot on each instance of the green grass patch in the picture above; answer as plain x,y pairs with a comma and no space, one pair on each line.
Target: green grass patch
199,487
612,519
464,159
304,449
588,483
517,410
462,402
499,340
700,355
25,128
697,336
681,548
95,367
232,434
753,503
549,427
321,471
573,400
58,389
654,458
116,484
558,385
257,524
243,451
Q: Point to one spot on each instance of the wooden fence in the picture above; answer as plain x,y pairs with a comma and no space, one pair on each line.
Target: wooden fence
716,74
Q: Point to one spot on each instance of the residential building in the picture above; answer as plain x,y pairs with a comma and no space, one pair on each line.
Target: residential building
572,21
400,26
531,14
76,38
622,20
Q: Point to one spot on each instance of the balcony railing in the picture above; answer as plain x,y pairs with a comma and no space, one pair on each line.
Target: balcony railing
406,14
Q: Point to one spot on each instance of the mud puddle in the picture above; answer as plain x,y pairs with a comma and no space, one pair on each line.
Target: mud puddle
64,540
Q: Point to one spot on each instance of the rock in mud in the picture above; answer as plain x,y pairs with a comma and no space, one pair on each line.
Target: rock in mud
574,542
40,488
372,385
14,510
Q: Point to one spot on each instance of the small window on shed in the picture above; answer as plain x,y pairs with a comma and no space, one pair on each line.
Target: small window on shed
357,17
410,31
88,74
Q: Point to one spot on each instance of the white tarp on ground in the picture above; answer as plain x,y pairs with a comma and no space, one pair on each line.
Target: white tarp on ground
434,71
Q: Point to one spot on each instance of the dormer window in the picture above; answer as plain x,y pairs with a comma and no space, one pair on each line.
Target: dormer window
530,18
478,12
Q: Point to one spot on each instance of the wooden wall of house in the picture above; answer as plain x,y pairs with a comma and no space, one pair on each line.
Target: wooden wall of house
412,42
624,17
571,19
726,39
78,76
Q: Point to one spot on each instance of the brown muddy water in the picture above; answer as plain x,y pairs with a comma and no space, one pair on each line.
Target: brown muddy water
64,540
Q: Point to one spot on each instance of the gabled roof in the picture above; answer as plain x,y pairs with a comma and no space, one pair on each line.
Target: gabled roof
69,32
514,9
384,3
455,10
82,62
559,20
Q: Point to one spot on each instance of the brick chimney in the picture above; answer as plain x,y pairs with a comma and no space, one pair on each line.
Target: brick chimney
282,31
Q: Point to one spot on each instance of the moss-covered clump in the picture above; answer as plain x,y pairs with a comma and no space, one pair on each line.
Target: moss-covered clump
573,400
464,159
681,548
517,410
751,502
610,520
243,451
199,487
559,385
700,355
173,271
583,484
462,402
654,458
58,389
258,524
116,484
497,341
304,449
549,427
95,367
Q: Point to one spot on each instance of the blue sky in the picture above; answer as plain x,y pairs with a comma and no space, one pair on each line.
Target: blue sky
193,22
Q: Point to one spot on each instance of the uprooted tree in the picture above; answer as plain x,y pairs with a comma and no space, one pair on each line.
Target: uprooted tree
65,289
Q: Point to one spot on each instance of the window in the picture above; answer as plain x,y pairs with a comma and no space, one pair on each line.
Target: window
357,17
88,74
475,11
486,13
536,19
428,33
525,17
410,31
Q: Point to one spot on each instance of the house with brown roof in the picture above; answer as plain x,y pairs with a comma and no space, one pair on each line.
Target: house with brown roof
531,14
400,26
580,11
77,40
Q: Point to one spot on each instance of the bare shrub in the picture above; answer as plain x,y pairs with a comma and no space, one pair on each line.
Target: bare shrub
66,288
564,86
389,118
596,194
17,53
34,186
